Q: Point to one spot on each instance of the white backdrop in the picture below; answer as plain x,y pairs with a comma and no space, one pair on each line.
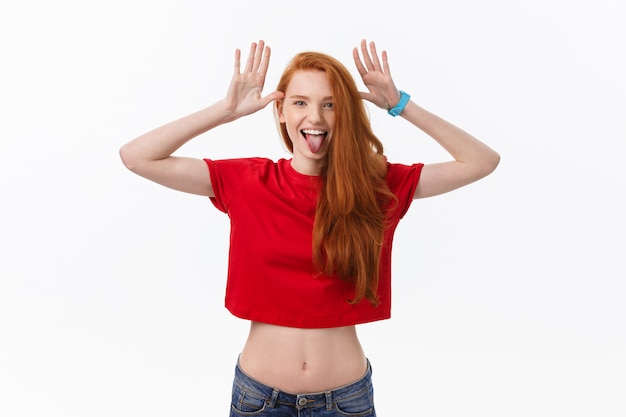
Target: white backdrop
509,294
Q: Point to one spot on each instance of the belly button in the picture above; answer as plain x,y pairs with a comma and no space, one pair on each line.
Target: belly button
305,366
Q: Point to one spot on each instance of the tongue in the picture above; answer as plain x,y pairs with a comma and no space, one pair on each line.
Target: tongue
314,142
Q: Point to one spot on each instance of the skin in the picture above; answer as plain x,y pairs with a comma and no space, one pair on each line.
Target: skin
308,106
291,359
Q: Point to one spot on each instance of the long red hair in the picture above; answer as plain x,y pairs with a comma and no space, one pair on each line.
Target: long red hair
350,220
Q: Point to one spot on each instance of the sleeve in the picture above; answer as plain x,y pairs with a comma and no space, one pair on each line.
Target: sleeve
403,181
228,176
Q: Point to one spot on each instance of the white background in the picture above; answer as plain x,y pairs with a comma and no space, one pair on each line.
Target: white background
508,294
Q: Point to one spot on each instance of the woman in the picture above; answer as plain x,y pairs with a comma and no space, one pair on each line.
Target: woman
310,248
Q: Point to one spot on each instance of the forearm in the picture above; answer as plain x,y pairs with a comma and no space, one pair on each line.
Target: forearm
163,141
461,145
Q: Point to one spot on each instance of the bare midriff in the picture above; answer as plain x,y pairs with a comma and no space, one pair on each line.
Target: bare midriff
302,361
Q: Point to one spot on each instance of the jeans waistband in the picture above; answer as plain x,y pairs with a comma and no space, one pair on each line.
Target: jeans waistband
309,400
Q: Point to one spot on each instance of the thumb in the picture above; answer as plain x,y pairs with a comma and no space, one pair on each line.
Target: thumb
365,96
276,95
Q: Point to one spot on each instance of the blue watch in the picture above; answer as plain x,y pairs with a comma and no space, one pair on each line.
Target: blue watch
398,108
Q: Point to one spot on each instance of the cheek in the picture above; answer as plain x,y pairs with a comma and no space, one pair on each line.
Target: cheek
292,131
330,118
291,123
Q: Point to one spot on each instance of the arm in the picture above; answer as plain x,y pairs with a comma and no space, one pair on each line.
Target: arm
473,159
150,155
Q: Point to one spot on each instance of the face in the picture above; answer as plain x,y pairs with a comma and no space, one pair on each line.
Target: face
309,116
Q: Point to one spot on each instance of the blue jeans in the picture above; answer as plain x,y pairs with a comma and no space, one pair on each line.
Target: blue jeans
252,398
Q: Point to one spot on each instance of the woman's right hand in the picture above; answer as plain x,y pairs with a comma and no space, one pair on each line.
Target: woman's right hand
151,154
245,93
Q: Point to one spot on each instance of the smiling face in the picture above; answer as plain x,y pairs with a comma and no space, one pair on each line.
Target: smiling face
309,117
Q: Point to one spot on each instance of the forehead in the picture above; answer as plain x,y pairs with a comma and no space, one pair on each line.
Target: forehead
309,83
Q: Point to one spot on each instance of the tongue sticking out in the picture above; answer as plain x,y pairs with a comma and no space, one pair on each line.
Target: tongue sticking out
314,142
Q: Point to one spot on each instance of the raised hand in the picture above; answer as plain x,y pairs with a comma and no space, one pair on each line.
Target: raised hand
245,93
376,77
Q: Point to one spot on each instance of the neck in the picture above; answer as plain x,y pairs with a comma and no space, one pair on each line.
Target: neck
308,167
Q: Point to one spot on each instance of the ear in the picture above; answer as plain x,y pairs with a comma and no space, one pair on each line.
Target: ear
279,111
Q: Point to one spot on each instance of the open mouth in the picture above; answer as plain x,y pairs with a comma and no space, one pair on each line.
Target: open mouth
314,138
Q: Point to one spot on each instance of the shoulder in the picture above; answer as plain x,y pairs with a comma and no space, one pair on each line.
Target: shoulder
242,163
253,170
402,180
233,178
400,173
238,167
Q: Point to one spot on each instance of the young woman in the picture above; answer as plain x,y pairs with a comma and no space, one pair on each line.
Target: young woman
311,236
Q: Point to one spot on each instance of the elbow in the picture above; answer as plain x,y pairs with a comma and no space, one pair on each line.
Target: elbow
127,157
488,164
493,162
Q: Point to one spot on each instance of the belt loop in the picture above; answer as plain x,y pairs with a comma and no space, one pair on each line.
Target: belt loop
329,400
272,401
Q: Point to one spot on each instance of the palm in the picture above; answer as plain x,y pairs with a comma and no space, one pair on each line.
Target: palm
245,93
376,77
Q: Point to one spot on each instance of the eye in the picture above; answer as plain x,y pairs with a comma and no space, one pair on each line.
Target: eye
328,105
298,103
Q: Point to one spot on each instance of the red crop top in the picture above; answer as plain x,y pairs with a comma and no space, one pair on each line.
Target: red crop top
271,277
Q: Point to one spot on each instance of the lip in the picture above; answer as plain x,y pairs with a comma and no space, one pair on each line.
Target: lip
310,131
314,138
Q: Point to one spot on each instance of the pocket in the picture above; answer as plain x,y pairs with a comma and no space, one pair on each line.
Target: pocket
361,405
246,403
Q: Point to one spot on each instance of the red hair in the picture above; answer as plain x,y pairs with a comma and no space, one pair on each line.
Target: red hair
350,218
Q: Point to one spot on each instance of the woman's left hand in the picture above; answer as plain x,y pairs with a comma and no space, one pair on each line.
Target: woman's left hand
376,77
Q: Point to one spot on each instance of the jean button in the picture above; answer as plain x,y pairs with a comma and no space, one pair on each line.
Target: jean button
302,401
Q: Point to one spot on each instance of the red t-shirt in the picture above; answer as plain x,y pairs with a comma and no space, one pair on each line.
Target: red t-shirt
271,277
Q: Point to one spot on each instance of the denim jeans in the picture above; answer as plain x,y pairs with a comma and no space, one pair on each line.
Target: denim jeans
252,398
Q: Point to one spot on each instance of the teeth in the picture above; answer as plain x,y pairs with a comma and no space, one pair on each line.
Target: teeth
313,132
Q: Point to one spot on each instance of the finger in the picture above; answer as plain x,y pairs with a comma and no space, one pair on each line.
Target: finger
357,61
258,56
250,60
366,56
375,60
385,63
265,63
237,66
364,95
276,95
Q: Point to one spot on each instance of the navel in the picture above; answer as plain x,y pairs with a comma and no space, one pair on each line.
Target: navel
305,366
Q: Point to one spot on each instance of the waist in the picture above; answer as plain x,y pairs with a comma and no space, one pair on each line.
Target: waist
302,360
326,398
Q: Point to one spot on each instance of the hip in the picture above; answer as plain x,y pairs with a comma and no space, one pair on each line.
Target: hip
251,397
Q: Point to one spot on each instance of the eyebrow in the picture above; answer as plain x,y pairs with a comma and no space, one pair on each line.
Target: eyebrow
306,97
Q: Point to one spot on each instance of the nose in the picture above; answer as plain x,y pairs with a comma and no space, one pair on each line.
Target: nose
315,114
